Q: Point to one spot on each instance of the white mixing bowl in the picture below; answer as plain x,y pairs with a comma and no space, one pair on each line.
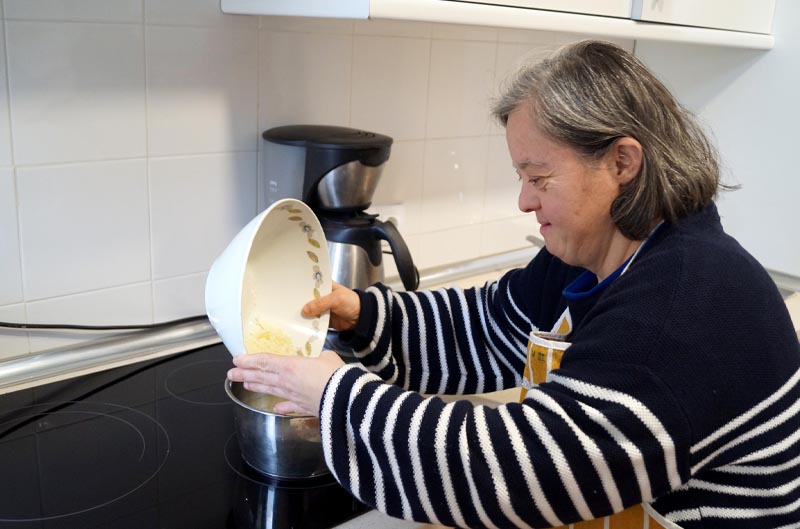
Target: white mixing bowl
257,286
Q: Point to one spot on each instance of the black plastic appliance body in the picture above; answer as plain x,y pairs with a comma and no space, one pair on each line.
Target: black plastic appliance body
342,170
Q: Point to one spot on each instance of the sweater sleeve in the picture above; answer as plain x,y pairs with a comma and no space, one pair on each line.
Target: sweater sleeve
447,341
567,453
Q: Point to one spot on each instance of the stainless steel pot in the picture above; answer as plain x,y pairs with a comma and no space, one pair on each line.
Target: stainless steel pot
286,446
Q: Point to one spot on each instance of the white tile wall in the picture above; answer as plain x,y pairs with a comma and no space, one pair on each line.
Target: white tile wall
5,129
314,71
460,88
75,10
11,284
390,85
178,297
193,13
76,91
221,186
201,90
130,149
452,189
84,226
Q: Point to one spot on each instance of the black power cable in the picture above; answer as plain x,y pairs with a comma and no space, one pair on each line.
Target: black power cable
60,326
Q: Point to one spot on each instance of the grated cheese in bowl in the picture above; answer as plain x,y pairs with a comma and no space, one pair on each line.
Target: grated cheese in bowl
263,337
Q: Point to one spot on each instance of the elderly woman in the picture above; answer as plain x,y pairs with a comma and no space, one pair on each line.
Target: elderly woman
658,363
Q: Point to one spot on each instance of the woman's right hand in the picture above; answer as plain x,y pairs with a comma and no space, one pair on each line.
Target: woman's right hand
344,304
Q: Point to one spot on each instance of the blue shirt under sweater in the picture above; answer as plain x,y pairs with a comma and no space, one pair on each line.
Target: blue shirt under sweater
680,389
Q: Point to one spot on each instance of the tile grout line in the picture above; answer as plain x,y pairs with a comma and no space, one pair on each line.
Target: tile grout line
148,183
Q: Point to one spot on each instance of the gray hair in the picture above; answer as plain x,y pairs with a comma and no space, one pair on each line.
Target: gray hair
590,93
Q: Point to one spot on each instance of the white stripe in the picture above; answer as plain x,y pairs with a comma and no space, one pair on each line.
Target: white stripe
499,482
733,490
388,435
364,430
355,478
423,345
462,368
634,454
517,349
480,376
756,470
383,309
444,371
776,421
416,461
589,447
561,463
528,472
326,414
380,321
771,450
463,448
733,513
639,410
404,330
740,420
442,452
498,377
523,333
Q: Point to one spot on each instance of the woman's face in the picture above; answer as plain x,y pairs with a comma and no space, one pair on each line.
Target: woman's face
570,196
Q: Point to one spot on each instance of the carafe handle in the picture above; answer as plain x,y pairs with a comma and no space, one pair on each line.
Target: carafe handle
402,257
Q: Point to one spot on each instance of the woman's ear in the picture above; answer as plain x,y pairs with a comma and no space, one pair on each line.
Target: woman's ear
627,157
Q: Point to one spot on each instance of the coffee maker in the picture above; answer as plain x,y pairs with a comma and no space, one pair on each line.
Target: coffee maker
342,170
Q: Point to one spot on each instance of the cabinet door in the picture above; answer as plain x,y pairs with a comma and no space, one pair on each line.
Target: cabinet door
609,8
739,15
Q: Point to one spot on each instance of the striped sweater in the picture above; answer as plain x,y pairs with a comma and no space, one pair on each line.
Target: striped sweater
680,390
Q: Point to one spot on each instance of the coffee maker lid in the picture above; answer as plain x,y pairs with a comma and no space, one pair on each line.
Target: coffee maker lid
326,137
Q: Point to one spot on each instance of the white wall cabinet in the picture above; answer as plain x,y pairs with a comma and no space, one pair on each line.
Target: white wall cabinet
737,15
606,8
689,21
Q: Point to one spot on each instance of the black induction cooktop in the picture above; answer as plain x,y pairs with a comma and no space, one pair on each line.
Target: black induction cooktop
148,445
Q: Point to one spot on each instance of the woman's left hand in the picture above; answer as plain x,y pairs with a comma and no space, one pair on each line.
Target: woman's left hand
299,380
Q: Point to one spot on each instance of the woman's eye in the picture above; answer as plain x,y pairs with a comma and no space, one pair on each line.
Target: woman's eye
537,181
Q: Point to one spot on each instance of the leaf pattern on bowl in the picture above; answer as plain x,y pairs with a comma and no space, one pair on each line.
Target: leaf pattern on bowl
295,215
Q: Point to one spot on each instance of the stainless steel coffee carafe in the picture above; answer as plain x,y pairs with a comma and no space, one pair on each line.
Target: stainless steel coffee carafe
342,170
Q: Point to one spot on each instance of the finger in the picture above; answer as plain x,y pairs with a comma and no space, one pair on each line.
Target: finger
316,307
262,361
257,387
287,406
235,375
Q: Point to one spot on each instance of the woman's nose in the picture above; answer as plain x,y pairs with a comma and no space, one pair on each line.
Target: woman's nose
528,198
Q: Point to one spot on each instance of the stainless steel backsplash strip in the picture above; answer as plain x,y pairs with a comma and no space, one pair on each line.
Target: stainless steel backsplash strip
440,275
72,360
95,355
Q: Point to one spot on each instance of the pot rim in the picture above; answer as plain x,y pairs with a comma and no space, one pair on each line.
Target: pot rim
229,390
